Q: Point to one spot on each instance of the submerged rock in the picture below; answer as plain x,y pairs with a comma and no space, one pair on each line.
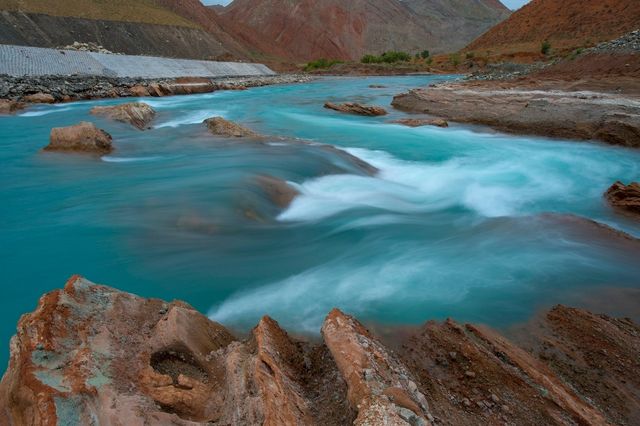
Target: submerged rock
355,108
418,122
137,114
221,127
625,197
9,107
39,98
279,191
83,137
92,352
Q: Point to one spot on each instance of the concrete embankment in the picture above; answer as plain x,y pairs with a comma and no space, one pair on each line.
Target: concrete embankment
34,61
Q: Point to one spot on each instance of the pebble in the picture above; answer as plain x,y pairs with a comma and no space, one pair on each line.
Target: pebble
470,374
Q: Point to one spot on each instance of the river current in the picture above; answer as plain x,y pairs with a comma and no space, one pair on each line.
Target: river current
461,222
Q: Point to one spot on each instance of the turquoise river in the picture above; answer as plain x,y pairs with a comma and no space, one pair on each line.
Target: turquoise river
461,221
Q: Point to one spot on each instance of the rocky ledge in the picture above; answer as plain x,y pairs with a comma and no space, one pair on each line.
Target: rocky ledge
611,118
91,354
625,197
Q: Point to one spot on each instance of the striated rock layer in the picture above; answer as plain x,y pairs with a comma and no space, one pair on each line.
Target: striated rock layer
90,354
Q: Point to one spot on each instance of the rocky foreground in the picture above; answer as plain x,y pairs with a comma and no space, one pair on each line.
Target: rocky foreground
91,354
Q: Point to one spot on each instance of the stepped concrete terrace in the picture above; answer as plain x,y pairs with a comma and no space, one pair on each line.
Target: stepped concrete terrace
18,61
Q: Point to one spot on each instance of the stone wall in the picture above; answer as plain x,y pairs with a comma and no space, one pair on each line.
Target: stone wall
35,61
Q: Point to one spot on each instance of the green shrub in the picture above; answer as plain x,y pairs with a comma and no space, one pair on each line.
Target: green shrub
454,59
425,54
470,55
545,47
387,57
321,63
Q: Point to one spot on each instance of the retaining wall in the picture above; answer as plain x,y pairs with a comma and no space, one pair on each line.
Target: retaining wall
34,61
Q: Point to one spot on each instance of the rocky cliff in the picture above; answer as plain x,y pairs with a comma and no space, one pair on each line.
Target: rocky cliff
564,23
90,354
336,29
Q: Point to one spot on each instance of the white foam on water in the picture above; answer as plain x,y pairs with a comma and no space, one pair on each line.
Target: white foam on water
491,184
43,112
193,117
110,159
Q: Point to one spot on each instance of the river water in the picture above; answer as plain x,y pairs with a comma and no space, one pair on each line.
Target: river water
459,222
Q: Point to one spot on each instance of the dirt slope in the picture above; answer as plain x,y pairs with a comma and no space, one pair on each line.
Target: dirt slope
564,23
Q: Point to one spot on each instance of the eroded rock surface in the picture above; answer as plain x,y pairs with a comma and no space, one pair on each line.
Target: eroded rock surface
625,197
279,191
221,127
355,108
137,114
90,354
83,137
39,98
9,107
419,122
607,117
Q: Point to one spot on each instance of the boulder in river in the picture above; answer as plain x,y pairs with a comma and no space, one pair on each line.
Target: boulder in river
9,107
278,190
221,127
625,197
137,114
356,108
418,122
83,137
39,98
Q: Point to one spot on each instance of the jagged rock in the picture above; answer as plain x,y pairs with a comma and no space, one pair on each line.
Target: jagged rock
625,197
355,108
378,383
90,354
137,114
418,122
83,137
221,127
9,107
39,98
139,91
279,191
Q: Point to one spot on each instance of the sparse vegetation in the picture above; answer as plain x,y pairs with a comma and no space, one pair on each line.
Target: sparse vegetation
545,47
470,55
425,54
321,63
387,57
454,58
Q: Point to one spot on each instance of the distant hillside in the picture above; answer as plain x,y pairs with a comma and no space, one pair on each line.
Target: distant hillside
338,29
564,23
174,28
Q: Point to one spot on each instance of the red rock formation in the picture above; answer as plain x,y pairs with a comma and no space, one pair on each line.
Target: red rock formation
564,23
137,114
90,353
83,137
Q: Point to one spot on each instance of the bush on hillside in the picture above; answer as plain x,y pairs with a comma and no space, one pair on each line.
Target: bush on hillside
321,63
387,57
545,47
425,54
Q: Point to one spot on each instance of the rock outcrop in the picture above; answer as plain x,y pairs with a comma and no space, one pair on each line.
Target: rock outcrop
39,98
625,197
92,354
221,127
137,114
279,191
611,118
83,137
9,107
419,122
356,108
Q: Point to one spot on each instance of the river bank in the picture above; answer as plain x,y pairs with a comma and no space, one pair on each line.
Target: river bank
90,352
53,89
591,95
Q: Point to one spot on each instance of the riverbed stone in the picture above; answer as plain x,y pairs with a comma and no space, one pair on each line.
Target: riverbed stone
138,114
356,108
83,137
221,127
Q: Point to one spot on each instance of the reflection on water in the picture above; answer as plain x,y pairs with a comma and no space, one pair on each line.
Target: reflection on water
455,223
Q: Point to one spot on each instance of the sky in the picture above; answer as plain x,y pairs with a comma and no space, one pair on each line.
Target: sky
511,4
